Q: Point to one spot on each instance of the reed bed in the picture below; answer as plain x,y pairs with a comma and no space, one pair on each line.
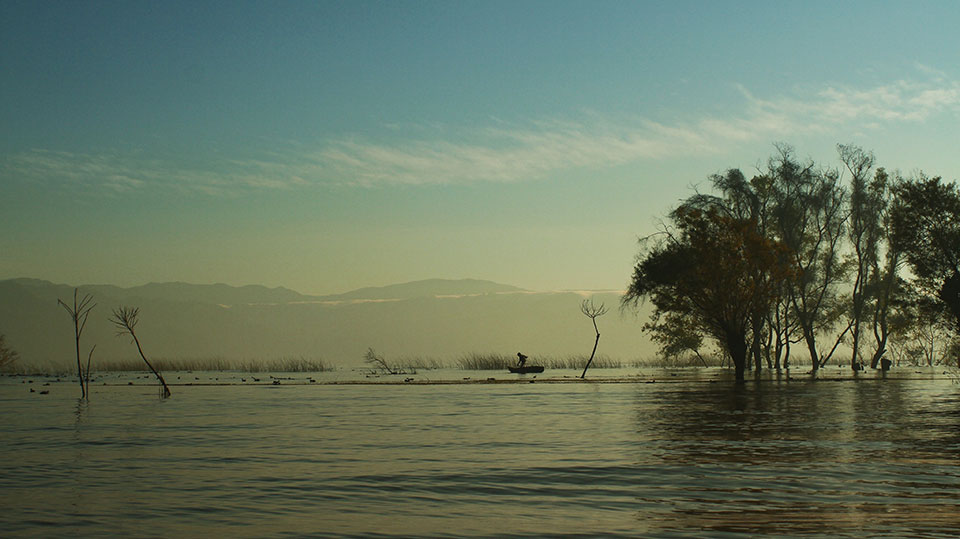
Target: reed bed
579,362
421,363
47,368
281,364
495,362
680,362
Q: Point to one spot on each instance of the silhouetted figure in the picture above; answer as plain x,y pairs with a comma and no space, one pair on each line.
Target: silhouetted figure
521,359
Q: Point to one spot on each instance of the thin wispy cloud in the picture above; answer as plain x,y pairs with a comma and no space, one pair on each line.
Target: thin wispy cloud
504,152
901,101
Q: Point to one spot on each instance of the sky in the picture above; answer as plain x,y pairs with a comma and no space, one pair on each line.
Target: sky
327,146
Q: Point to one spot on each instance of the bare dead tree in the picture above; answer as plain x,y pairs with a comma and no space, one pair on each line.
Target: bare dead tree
377,362
592,311
125,319
79,314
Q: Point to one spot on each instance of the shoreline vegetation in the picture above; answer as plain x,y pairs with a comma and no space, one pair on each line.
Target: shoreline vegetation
468,362
410,365
211,364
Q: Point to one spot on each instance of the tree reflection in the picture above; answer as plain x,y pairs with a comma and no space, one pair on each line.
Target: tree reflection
795,456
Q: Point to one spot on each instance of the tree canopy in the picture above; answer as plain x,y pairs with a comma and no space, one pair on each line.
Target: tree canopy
802,253
713,269
926,226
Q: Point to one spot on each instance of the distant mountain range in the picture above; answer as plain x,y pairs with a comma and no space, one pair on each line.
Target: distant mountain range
428,288
436,318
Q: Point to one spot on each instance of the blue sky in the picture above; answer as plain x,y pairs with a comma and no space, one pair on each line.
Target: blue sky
326,146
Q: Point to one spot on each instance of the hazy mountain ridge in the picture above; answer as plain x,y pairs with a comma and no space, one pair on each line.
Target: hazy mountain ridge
223,294
427,288
435,318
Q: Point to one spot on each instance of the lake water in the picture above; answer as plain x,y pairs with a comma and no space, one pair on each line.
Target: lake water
688,455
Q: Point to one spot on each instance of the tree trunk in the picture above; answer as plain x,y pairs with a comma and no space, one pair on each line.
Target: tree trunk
737,346
777,352
855,359
166,390
87,373
811,341
83,388
757,358
950,294
595,343
786,353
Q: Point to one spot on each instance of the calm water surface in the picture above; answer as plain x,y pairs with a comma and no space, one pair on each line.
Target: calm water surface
679,457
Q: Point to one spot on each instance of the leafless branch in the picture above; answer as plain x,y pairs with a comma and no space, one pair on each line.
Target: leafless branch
125,319
592,311
79,313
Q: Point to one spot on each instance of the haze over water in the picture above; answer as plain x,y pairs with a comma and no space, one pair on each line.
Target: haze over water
678,457
338,148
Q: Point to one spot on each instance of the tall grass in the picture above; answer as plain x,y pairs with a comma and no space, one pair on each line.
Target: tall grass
421,363
685,361
475,361
494,361
281,364
580,361
46,368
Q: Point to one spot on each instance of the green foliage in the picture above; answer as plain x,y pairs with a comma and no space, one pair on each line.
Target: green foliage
713,270
808,215
676,335
840,248
926,227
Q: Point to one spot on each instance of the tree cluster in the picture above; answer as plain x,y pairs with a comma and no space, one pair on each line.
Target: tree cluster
806,256
7,354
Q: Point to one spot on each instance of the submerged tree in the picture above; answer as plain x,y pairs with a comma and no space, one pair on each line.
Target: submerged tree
79,313
591,311
885,289
378,362
863,232
713,268
125,319
809,219
926,226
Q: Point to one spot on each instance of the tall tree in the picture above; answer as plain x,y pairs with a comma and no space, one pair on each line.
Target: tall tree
926,226
863,233
808,217
884,285
712,268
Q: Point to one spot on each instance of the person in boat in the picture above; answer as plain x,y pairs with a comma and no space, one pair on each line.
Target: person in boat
521,359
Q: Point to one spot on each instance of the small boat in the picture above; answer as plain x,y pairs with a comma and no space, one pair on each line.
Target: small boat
526,369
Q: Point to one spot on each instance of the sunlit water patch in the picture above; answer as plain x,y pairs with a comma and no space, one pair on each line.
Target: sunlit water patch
689,457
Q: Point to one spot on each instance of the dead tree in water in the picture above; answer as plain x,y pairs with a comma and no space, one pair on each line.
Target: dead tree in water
591,311
79,313
379,363
125,318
